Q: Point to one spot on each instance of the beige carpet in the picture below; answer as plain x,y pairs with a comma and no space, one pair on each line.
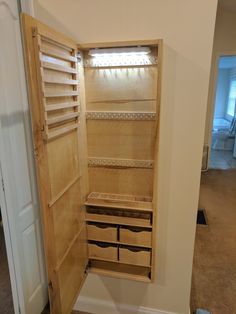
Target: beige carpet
6,303
214,271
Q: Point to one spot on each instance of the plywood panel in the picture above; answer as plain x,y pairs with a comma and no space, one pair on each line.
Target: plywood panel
67,222
121,181
121,139
73,268
118,84
63,161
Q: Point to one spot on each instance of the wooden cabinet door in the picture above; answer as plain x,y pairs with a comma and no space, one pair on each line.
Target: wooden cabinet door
52,70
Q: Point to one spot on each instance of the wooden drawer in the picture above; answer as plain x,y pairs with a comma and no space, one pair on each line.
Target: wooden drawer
136,236
135,256
103,251
102,232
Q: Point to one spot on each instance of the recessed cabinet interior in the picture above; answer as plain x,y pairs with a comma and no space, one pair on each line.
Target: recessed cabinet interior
95,120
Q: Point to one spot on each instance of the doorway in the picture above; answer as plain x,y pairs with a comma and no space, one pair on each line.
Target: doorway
214,264
223,146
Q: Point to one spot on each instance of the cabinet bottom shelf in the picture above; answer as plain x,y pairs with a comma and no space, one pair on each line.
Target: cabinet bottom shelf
119,270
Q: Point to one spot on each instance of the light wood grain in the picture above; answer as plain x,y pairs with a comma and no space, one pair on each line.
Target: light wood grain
118,270
131,181
109,253
131,202
103,232
135,236
122,142
141,258
57,163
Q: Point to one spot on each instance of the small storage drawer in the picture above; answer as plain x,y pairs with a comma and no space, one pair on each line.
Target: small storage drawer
136,236
102,232
135,256
104,251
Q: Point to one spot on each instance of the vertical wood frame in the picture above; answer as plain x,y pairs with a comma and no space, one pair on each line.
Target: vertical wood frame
120,115
57,156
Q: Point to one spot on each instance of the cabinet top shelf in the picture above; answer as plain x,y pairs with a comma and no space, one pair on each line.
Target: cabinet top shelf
131,202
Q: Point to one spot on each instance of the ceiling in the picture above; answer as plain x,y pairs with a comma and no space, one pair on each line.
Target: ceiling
228,4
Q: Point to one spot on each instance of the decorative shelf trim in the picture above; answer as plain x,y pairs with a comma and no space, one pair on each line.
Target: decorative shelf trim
110,115
126,163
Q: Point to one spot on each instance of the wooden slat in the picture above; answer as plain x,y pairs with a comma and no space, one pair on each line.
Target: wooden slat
57,38
56,67
61,131
59,195
116,220
61,118
56,53
59,80
68,250
61,106
61,94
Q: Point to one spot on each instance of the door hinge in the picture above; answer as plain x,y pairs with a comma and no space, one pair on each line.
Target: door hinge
87,267
34,32
50,285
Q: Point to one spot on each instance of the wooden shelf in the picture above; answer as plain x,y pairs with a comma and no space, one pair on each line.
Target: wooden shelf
137,203
121,271
116,220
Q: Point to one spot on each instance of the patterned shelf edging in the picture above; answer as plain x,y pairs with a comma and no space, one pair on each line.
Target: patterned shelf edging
126,163
105,115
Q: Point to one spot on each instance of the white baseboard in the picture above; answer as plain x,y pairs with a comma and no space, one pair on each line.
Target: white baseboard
95,306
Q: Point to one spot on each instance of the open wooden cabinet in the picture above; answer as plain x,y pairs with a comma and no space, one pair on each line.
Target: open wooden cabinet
95,119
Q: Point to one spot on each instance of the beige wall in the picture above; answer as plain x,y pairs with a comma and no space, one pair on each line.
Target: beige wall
187,29
224,43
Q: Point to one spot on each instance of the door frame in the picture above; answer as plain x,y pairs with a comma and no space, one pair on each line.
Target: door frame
10,247
212,95
7,214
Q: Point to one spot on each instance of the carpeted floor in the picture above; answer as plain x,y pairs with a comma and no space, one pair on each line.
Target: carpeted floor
6,303
214,270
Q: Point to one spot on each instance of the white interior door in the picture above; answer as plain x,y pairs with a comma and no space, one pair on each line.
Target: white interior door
18,167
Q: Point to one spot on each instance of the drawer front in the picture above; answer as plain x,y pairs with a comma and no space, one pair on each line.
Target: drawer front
134,257
103,251
136,236
102,232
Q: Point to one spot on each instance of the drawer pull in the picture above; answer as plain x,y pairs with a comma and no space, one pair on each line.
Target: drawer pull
134,248
137,229
103,245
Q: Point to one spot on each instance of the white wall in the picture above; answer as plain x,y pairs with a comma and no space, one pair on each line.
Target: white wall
222,91
187,29
224,44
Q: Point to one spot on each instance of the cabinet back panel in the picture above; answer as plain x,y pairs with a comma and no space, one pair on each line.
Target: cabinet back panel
129,181
121,139
117,84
